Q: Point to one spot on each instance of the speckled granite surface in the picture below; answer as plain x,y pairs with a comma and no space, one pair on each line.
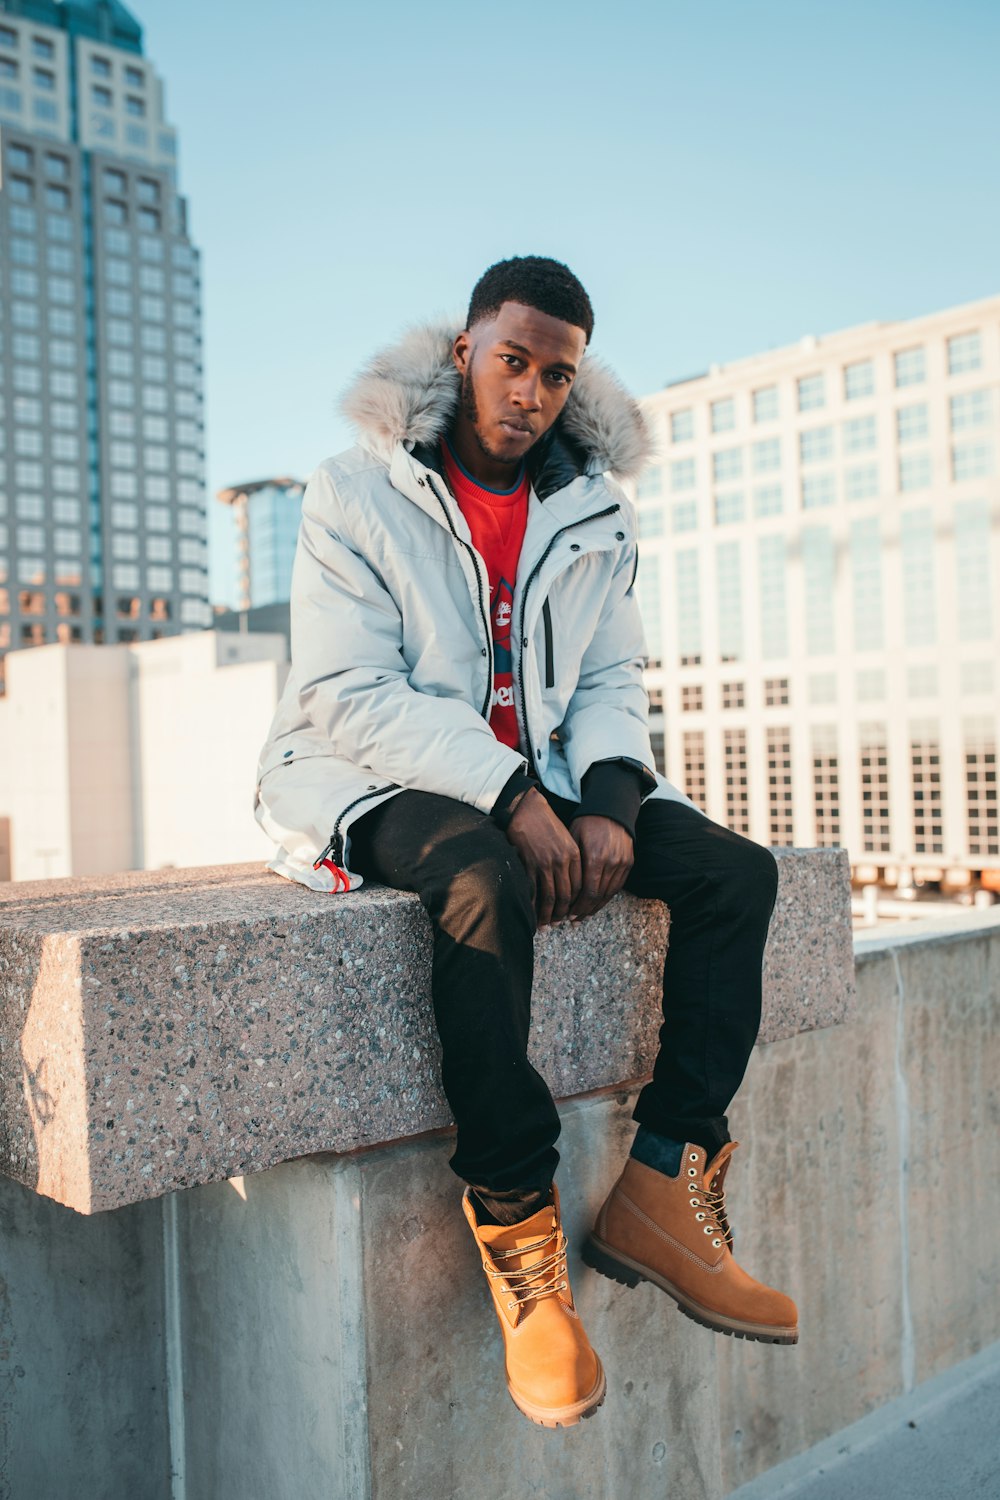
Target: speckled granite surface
163,1029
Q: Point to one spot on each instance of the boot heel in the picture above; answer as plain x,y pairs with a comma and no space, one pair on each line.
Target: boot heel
599,1260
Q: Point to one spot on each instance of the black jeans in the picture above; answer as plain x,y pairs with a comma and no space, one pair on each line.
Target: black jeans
720,889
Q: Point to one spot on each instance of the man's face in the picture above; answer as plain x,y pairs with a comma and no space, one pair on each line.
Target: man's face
517,371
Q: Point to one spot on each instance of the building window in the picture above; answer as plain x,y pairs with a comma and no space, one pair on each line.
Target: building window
57,197
859,380
56,167
723,414
972,461
734,745
693,742
818,490
691,698
135,106
149,219
100,66
727,464
818,563
684,515
8,37
772,566
157,516
971,409
874,763
981,787
59,259
651,523
44,80
922,680
816,445
682,474
687,593
861,483
766,456
866,578
964,353
826,785
776,692
976,677
22,190
765,404
729,508
733,695
811,392
768,500
649,485
919,593
972,563
100,95
869,685
860,435
647,588
910,366
115,212
925,776
911,423
729,582
779,786
914,471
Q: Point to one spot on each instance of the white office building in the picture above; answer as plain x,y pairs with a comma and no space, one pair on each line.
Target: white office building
820,582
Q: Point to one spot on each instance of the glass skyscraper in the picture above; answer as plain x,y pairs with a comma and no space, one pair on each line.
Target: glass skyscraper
102,497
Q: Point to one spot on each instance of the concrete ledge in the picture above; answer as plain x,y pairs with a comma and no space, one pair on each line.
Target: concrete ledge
182,1027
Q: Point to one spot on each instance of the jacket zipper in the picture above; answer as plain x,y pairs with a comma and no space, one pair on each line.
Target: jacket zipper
485,710
597,516
550,671
335,847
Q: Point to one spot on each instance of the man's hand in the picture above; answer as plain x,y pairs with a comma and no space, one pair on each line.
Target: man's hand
550,855
607,854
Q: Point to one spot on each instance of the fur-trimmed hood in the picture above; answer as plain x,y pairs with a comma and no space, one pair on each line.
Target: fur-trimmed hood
408,394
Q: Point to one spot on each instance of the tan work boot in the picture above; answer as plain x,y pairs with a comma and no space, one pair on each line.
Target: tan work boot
553,1375
673,1231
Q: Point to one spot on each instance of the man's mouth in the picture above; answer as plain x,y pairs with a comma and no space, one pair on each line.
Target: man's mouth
520,428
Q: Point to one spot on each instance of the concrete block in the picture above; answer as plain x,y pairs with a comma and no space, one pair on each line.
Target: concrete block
83,1407
159,1030
814,1207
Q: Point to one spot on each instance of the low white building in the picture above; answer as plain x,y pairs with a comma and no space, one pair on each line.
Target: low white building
132,757
820,582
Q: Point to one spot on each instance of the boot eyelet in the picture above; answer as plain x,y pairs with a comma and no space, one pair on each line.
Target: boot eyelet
692,1172
510,1305
716,1243
694,1202
699,1217
692,1156
707,1229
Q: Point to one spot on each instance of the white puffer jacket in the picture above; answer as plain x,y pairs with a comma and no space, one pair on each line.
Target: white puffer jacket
392,657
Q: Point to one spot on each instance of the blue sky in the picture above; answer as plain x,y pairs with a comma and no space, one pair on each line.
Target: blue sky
724,179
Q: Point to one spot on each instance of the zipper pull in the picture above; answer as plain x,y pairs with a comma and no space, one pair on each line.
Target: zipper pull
328,860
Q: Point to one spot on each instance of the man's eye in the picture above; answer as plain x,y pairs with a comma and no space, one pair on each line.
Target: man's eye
559,376
510,359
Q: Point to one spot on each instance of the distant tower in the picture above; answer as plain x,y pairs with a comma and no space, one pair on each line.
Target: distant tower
102,498
267,513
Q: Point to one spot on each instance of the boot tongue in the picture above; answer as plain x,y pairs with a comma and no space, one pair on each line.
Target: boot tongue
541,1226
719,1165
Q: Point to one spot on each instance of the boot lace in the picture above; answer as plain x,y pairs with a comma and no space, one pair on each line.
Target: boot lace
544,1278
715,1202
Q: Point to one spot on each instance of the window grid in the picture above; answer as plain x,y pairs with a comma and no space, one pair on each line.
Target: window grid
737,791
874,758
925,776
779,786
826,786
981,788
694,765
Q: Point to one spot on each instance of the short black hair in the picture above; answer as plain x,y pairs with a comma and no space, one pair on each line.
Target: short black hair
536,281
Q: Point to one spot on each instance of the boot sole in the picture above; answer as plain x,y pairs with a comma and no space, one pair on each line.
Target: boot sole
562,1416
626,1272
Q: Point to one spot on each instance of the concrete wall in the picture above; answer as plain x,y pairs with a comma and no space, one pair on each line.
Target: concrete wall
322,1328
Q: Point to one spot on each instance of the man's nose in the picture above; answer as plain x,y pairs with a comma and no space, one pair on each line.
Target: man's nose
527,392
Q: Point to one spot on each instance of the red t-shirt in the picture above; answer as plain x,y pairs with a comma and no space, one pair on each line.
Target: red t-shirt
497,519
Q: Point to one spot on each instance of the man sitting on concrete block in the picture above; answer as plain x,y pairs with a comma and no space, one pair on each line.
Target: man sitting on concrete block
466,718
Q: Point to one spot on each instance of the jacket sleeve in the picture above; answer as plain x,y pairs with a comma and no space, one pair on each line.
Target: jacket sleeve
353,681
607,716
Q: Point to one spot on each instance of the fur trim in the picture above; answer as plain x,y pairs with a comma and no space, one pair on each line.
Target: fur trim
409,393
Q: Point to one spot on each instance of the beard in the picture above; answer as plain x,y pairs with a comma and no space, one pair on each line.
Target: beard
470,410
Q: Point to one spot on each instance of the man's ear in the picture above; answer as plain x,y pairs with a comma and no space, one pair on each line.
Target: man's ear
460,351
